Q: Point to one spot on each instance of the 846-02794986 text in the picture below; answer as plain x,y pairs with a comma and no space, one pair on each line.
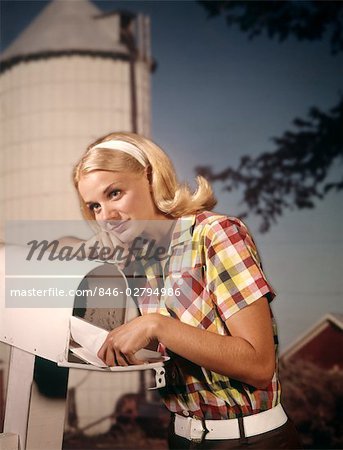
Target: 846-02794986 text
138,292
95,291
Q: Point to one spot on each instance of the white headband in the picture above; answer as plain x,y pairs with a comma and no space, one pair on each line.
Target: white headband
125,147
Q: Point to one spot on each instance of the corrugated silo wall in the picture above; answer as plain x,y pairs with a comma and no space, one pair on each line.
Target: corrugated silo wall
51,109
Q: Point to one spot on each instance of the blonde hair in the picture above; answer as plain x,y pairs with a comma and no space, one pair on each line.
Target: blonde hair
170,196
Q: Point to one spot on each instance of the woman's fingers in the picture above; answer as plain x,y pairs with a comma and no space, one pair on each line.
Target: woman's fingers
111,354
111,358
117,358
132,360
103,349
104,239
121,360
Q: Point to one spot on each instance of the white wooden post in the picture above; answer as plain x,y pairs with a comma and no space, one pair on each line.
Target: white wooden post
9,441
37,420
19,384
46,422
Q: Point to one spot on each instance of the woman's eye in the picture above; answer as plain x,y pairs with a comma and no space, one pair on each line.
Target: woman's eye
115,193
94,207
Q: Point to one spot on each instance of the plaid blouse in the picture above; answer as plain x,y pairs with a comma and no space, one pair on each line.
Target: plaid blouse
215,271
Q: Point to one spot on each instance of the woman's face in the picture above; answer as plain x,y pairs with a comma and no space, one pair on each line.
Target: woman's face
120,201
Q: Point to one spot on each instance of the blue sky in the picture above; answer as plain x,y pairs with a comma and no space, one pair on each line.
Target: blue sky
216,96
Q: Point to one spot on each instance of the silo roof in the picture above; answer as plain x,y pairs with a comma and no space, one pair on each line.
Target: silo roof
67,26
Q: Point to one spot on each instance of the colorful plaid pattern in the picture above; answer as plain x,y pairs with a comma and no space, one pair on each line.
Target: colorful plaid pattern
215,267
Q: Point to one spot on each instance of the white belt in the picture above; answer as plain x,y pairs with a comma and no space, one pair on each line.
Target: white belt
193,429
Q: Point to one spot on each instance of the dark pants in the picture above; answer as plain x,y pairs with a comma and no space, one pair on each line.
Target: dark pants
283,437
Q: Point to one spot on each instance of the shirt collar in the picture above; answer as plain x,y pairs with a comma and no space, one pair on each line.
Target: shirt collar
182,231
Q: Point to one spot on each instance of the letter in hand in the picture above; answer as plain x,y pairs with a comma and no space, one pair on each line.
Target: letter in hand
91,338
126,345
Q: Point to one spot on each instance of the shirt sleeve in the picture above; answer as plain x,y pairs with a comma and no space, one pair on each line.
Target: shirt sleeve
234,275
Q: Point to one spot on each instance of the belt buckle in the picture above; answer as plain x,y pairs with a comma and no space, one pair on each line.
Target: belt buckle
198,430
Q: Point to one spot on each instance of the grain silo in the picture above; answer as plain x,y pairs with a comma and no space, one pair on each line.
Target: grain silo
72,75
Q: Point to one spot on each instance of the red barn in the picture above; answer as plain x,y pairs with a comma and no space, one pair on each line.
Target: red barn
321,345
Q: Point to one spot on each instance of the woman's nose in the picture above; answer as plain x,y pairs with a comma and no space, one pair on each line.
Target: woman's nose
108,213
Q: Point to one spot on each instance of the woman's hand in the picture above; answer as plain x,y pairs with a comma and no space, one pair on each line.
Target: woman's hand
123,342
106,245
103,245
